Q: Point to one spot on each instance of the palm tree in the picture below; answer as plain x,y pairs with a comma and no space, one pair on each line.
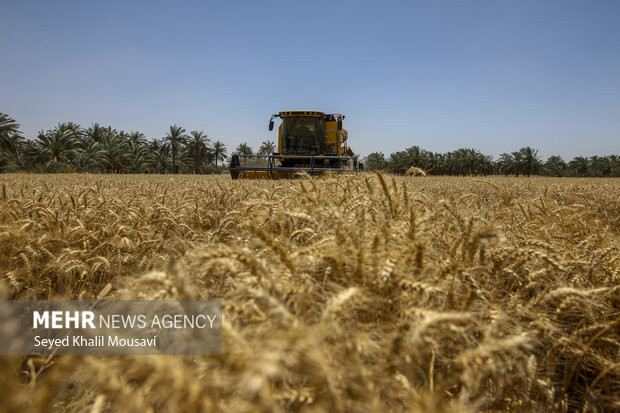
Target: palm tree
11,143
54,147
603,165
96,132
9,133
432,162
555,166
517,164
450,163
401,161
506,163
137,137
487,166
89,155
267,148
219,152
375,160
72,127
435,163
529,162
416,156
176,138
398,162
244,149
138,152
614,160
579,165
114,151
159,154
469,161
197,148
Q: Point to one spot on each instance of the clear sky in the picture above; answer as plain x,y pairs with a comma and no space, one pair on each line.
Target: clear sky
494,75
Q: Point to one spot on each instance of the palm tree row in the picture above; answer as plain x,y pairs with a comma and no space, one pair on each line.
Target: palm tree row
525,161
70,148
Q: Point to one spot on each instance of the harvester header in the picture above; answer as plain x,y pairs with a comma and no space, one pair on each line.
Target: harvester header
308,141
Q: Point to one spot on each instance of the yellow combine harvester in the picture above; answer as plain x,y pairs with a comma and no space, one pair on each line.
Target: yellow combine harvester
308,141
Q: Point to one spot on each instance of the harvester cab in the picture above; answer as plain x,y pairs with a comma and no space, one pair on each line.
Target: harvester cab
308,141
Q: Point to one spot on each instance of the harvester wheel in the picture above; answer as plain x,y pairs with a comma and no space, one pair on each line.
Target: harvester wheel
234,163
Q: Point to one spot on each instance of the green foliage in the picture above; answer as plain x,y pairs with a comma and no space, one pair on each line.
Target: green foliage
267,148
11,140
102,149
176,139
460,162
197,149
244,149
375,161
464,162
555,166
219,152
10,136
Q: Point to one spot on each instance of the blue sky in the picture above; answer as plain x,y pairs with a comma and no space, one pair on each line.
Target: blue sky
494,75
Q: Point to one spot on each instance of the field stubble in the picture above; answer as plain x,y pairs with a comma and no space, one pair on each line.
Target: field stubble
348,293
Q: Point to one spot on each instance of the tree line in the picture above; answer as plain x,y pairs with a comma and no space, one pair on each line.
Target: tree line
70,148
525,161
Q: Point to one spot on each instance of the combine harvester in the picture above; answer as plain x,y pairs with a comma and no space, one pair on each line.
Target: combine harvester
308,141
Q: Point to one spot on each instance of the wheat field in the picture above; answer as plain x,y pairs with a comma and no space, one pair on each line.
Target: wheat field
360,293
